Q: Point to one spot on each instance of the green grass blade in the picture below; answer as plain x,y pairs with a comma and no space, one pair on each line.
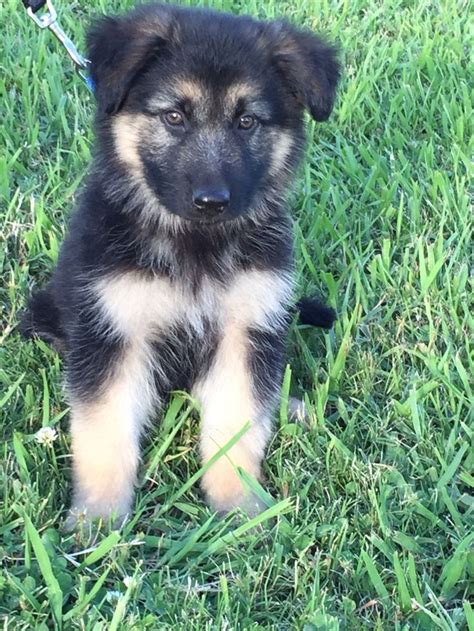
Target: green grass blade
55,595
194,478
78,609
374,576
403,593
469,613
11,391
102,549
450,471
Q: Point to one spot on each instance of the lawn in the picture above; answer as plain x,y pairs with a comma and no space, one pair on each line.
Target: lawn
370,518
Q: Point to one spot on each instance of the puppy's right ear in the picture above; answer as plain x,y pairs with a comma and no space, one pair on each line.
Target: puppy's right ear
118,48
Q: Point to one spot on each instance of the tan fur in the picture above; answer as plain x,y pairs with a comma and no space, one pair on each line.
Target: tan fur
227,404
226,395
190,89
127,131
239,91
105,439
256,298
139,305
135,303
142,306
105,432
235,93
282,146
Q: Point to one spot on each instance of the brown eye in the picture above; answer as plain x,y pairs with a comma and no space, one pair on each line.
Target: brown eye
246,122
174,118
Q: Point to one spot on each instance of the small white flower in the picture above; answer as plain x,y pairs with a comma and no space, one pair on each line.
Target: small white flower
113,595
46,436
129,581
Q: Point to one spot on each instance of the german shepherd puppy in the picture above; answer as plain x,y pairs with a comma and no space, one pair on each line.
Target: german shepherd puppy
177,269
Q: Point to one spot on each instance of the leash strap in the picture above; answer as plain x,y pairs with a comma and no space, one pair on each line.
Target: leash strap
49,19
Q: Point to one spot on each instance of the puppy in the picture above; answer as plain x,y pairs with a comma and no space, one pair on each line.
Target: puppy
177,271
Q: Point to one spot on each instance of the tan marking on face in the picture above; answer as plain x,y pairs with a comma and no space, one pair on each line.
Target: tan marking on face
282,146
235,93
127,131
239,91
190,89
132,130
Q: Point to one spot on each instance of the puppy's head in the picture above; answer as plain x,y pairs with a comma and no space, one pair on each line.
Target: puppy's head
205,110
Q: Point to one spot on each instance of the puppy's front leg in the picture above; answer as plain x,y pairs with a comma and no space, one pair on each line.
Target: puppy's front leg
241,386
105,429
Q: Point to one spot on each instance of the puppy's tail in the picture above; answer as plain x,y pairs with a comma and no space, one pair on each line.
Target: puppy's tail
315,313
42,319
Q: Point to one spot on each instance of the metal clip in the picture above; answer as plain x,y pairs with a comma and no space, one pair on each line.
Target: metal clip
49,20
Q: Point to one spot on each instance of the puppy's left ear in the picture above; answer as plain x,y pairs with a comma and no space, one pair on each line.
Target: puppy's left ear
308,65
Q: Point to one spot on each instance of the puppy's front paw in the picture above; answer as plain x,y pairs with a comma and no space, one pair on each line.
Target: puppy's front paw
83,514
75,519
225,491
248,503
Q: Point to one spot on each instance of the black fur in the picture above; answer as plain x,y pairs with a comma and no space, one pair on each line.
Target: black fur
136,212
43,319
130,52
312,311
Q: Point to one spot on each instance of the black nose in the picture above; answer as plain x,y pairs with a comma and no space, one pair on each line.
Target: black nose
211,201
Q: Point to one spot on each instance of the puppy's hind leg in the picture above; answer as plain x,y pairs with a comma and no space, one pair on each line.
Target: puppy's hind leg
105,433
42,318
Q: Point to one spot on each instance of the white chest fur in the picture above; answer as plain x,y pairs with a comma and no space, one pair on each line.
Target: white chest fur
138,306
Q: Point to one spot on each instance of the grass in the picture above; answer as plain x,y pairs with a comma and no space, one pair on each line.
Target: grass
370,513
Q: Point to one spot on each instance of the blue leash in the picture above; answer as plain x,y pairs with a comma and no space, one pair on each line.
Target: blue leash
49,19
